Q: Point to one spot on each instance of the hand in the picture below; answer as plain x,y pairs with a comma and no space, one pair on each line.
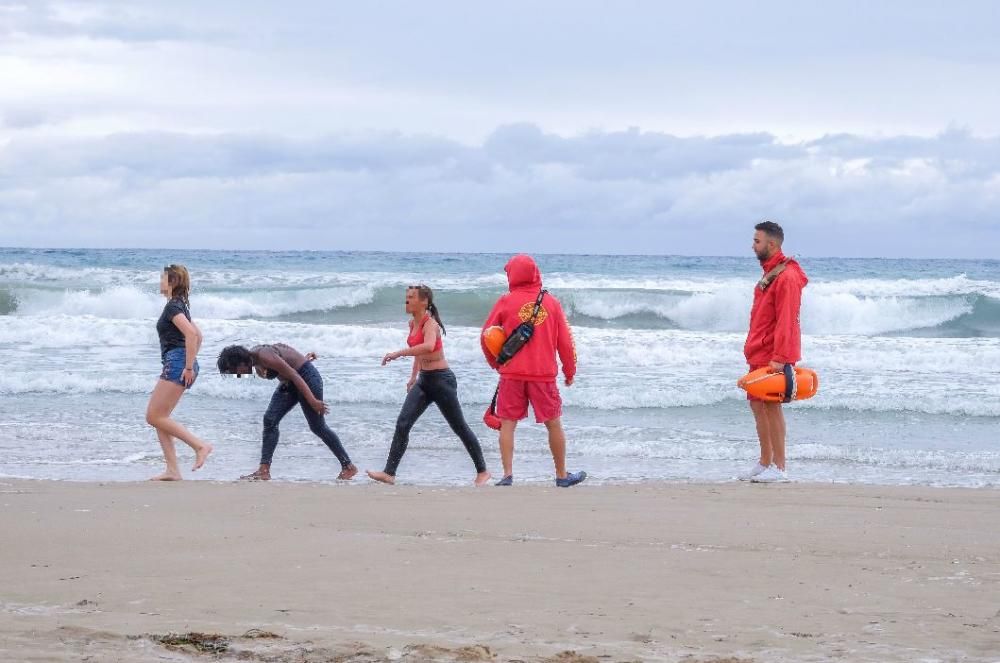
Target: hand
319,406
410,383
311,356
187,377
569,382
776,367
389,357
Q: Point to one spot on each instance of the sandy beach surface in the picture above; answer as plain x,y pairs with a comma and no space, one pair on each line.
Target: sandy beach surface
673,572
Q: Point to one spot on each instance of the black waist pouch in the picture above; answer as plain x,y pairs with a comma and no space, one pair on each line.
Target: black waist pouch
521,334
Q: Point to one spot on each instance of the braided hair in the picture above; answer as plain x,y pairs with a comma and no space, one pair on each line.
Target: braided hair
427,295
232,357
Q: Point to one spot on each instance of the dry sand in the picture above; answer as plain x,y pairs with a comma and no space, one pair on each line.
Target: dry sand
675,572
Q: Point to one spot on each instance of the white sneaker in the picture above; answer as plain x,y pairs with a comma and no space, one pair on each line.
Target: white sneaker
771,475
752,472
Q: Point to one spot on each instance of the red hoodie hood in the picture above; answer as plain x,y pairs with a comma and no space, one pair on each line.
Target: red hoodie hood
522,272
793,265
536,362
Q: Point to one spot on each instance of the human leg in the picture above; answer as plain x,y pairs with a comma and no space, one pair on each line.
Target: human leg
283,400
162,402
557,445
317,422
776,425
415,404
445,394
762,421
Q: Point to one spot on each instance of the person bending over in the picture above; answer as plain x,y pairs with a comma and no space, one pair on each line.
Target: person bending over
298,383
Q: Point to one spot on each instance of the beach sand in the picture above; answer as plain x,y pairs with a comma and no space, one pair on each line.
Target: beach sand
363,572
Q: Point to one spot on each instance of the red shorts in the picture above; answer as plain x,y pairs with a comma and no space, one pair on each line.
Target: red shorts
512,403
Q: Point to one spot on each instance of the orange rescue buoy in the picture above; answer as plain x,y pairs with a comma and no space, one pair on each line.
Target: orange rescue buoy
766,385
494,338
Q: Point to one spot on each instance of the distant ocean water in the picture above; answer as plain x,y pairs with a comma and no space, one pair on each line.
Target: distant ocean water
908,352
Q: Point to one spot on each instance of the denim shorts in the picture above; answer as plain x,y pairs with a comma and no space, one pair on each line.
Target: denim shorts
173,366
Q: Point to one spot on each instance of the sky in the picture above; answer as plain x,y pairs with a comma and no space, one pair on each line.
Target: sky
865,129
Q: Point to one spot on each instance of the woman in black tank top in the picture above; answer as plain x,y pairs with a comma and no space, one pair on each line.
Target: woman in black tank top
180,340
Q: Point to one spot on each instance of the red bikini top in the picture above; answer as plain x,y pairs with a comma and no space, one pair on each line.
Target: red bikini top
416,336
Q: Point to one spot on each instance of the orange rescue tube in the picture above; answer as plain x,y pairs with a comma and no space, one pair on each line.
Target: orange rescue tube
494,338
766,385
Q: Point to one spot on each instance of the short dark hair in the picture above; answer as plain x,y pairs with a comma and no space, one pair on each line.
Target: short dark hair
232,357
772,230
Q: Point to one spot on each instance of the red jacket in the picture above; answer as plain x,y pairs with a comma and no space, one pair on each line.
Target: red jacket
775,334
536,361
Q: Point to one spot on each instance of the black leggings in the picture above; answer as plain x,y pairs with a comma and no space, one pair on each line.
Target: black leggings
440,387
283,400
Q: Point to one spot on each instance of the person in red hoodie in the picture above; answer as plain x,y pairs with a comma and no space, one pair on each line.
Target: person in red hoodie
530,375
774,341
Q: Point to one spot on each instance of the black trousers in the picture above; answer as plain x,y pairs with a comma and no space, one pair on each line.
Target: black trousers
440,388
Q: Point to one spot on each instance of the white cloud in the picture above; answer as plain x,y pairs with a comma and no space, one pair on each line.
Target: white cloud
631,191
501,127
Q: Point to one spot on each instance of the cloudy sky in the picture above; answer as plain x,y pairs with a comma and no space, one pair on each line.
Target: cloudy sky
867,129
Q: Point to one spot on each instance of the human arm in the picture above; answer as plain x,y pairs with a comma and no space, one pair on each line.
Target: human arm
270,359
413,374
192,343
565,346
431,331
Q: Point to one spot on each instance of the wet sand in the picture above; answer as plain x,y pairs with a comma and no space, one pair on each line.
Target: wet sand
366,572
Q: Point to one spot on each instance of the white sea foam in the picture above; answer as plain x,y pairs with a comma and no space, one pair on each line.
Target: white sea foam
618,369
33,274
852,306
126,302
728,310
655,395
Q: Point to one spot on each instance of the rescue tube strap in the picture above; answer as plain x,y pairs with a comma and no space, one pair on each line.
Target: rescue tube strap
791,384
768,278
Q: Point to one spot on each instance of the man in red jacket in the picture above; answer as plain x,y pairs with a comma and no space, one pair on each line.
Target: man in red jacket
530,375
774,340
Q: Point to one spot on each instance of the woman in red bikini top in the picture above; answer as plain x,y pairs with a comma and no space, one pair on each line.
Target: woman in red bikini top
431,381
434,357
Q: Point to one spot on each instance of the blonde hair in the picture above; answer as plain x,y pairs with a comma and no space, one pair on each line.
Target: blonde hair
179,282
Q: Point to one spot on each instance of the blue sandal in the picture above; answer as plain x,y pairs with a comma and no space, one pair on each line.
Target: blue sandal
571,479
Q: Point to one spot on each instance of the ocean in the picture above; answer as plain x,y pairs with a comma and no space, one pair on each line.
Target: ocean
908,353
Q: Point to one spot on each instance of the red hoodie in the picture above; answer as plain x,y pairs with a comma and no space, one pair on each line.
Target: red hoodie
775,334
536,361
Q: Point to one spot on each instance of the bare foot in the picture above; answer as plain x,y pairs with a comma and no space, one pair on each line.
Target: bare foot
167,476
482,478
382,477
263,473
347,473
201,455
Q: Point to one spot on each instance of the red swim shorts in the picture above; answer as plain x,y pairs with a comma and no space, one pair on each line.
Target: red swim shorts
512,403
